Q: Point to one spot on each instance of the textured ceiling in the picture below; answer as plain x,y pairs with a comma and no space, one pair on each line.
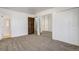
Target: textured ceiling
31,10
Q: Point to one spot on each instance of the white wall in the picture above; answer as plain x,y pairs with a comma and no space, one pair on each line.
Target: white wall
19,25
19,21
50,22
66,25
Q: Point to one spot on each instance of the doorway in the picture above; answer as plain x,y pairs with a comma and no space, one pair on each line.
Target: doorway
30,25
46,25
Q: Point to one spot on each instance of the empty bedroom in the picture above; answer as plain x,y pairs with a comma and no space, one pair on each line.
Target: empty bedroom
39,29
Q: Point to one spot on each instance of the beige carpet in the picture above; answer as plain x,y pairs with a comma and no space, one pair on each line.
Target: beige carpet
35,43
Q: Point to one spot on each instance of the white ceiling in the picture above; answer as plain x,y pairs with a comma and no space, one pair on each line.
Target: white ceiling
31,10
